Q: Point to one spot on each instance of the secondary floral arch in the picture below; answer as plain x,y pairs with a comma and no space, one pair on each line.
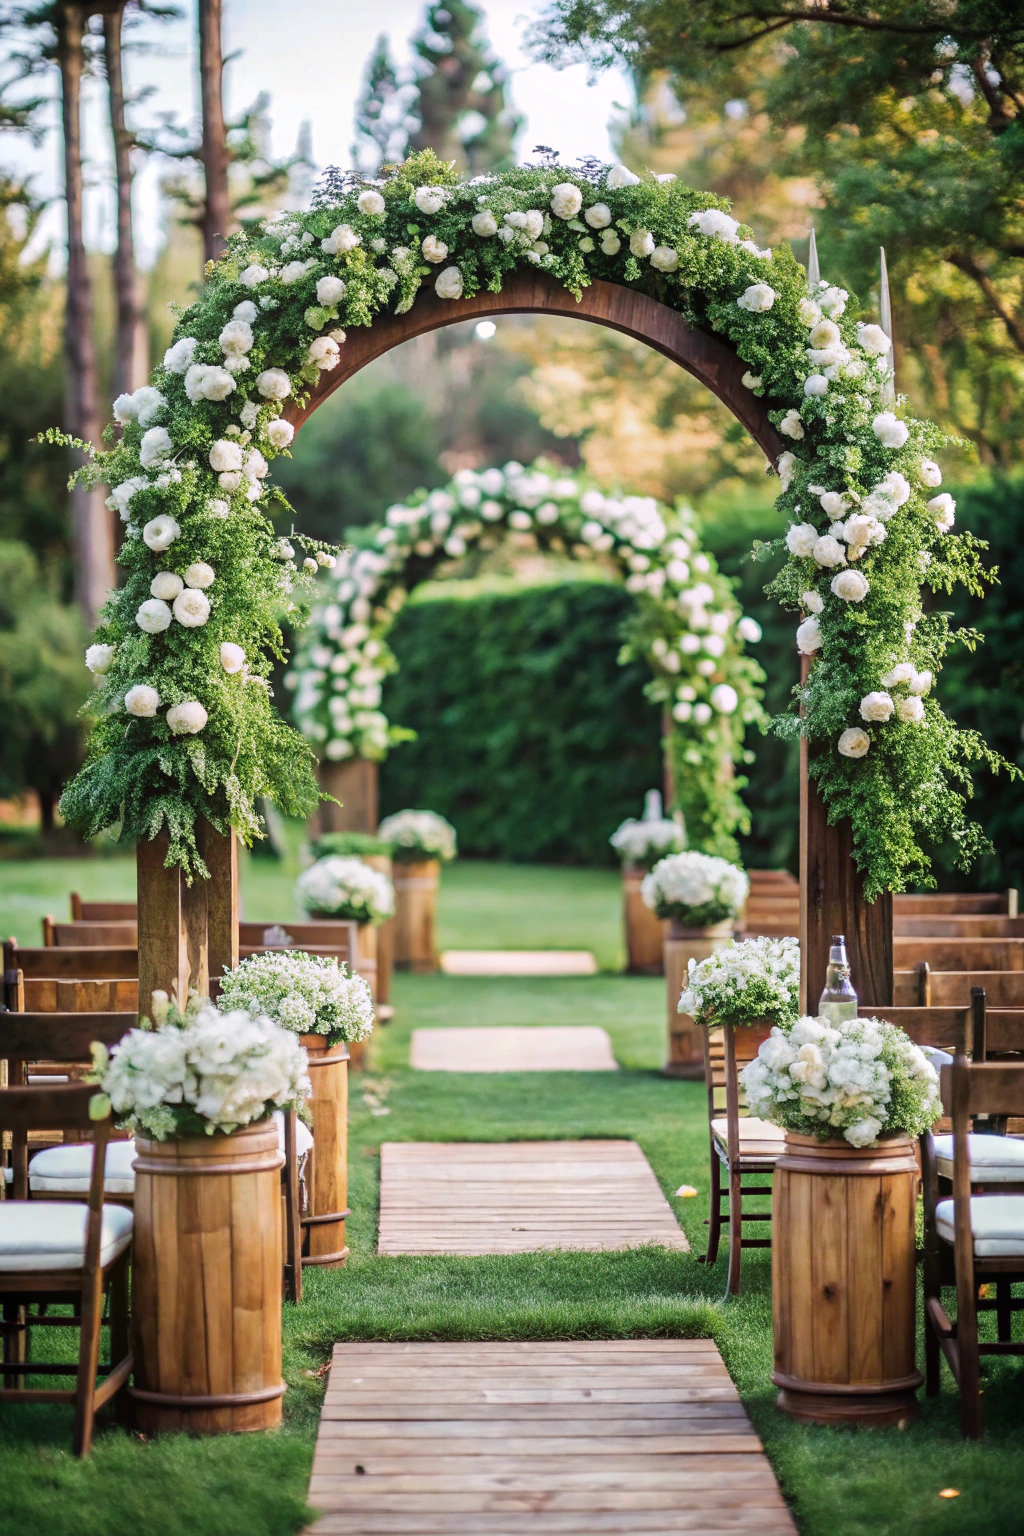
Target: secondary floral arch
687,624
184,727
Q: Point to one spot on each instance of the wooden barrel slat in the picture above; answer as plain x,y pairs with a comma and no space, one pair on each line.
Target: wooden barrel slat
685,1037
328,1187
645,933
416,887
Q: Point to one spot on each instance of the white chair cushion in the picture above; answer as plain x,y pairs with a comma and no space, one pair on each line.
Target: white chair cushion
937,1057
303,1135
997,1222
993,1159
752,1130
50,1234
68,1169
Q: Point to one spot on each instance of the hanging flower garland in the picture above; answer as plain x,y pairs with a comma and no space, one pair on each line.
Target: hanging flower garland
687,625
183,723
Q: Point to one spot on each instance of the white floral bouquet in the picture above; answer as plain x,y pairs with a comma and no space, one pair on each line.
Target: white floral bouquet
201,1072
748,983
308,994
858,1080
345,888
416,836
644,842
696,889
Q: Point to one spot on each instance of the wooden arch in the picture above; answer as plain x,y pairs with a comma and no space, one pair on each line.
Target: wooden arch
831,889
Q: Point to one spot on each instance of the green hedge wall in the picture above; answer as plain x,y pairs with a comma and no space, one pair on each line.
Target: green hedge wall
533,741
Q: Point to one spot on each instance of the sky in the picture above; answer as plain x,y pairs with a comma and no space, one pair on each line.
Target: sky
309,55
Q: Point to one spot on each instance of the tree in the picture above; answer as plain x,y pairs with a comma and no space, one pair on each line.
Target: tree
383,117
131,351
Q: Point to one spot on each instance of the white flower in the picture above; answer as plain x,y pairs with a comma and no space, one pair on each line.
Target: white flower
895,486
215,507
611,245
911,709
598,216
341,240
890,431
808,312
873,339
329,290
815,385
249,414
787,468
153,616
345,886
854,742
724,698
324,353
930,473
229,479
695,886
618,176
191,607
801,539
142,701
828,551
641,243
232,657
812,601
120,497
920,682
434,249
236,338
199,574
664,258
751,380
834,503
253,275
833,301
808,636
155,448
205,381
636,842
484,223
876,706
860,531
419,832
178,358
943,509
279,433
274,384
246,311
166,586
144,406
851,586
160,533
99,658
566,200
225,455
757,298
187,719
825,334
748,629
902,673
792,426
449,283
712,221
702,711
255,466
371,203
429,199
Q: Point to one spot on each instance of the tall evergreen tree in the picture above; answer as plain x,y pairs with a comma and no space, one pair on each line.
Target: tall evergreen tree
383,118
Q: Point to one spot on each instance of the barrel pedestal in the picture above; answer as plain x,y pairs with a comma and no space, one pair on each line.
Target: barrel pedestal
327,1179
385,935
206,1282
645,933
685,1037
415,910
844,1281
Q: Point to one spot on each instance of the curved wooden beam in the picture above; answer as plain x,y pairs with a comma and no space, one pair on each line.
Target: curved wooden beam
621,309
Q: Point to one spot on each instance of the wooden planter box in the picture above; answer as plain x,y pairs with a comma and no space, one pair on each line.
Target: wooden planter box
415,912
685,1038
327,1178
844,1281
645,933
206,1282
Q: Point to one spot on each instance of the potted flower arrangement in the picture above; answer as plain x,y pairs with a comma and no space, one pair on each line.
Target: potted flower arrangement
346,888
200,1089
640,844
754,982
850,1097
421,841
373,850
701,896
330,1009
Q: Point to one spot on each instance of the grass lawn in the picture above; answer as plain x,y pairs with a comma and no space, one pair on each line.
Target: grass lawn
840,1483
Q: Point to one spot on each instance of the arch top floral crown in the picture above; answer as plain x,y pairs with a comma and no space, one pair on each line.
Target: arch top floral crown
183,724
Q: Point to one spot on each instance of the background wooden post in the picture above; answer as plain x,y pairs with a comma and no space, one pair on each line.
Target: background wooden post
354,783
220,851
173,946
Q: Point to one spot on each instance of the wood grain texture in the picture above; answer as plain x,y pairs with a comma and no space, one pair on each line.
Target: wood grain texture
513,1048
952,989
518,1197
622,1436
220,850
327,1177
415,913
352,784
172,924
685,1038
645,934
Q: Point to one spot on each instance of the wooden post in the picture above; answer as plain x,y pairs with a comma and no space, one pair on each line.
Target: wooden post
221,855
354,783
173,944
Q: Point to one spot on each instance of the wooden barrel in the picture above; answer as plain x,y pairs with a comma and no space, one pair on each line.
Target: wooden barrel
385,935
327,1170
645,933
415,910
844,1281
685,1038
353,785
206,1282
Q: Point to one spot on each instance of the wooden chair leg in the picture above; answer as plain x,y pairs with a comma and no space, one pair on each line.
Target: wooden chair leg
715,1209
1004,1308
120,1331
932,1357
88,1363
292,1222
735,1231
16,1333
968,1373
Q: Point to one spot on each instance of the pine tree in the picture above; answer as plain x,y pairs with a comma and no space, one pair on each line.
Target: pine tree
383,120
461,100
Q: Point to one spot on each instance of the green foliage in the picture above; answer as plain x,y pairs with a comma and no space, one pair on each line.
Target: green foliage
354,844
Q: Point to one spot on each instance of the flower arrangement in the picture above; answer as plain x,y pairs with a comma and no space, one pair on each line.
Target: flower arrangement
345,888
755,981
696,889
201,1072
861,1079
415,836
308,994
641,843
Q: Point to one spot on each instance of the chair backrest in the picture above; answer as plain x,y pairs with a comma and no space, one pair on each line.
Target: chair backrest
72,961
1004,902
719,1062
959,954
942,1027
55,994
952,989
59,1036
336,936
771,879
971,925
65,1107
91,935
972,1088
102,911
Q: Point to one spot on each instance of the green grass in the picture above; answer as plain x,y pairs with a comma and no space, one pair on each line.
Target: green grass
882,1482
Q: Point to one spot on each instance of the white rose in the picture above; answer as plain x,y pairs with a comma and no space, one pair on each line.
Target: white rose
166,586
801,539
484,223
748,629
834,503
911,709
279,433
876,706
618,176
641,242
98,658
815,385
598,216
757,298
156,446
236,338
153,616
895,486
828,551
854,742
191,608
787,468
902,673
833,301
232,657
930,473
429,199
178,358
449,283
433,249
751,380
825,334
712,221
920,682
187,719
724,698
808,636
890,431
873,339
142,701
324,353
230,479
664,258
808,312
861,530
225,455
253,275
371,203
205,381
341,240
255,465
215,507
160,533
199,574
943,509
274,384
702,713
792,426
246,311
812,601
566,200
851,586
329,290
611,245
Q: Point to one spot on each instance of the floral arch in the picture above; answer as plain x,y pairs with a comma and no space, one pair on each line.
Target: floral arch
687,626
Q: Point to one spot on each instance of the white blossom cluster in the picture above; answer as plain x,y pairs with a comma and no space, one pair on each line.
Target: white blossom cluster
308,994
858,1079
344,887
642,842
697,889
418,835
746,983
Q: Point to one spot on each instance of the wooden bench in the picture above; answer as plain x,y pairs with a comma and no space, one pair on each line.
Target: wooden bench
958,954
969,926
90,935
102,911
956,903
922,987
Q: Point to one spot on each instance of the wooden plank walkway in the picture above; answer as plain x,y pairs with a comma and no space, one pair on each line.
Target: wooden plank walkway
513,1048
518,962
520,1196
484,1439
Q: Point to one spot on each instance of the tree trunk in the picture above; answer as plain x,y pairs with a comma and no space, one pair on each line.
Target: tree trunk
47,804
217,222
93,528
131,357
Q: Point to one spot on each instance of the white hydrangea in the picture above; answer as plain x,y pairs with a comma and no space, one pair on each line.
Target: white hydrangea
695,888
745,983
187,719
414,834
307,994
347,888
646,840
142,701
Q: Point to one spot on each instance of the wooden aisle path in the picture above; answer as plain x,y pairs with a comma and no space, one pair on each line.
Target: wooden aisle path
520,1196
518,962
513,1048
578,1439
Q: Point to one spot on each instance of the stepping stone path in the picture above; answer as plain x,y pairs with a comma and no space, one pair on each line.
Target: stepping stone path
513,1048
579,1439
518,962
520,1196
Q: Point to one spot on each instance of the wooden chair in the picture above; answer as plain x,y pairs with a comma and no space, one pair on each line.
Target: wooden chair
331,935
958,954
91,935
971,925
933,903
102,911
55,1254
972,1237
922,987
739,1145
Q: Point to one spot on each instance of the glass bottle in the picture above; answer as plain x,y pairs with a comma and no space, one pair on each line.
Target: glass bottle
838,1002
